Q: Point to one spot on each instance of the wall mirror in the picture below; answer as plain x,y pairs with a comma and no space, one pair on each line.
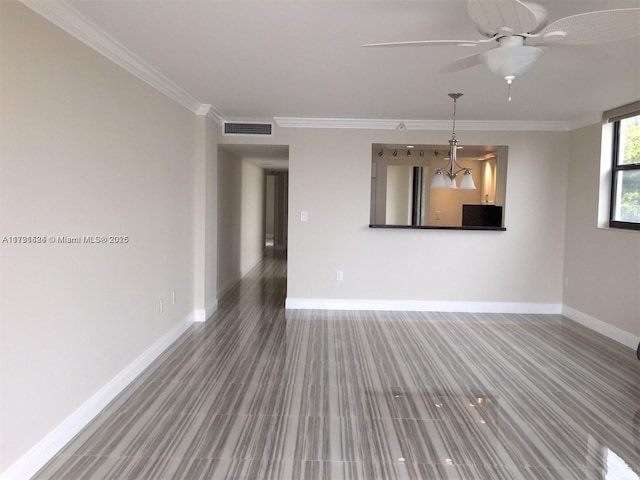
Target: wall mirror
402,196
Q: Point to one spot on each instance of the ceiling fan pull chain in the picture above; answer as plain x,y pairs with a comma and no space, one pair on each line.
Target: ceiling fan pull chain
509,79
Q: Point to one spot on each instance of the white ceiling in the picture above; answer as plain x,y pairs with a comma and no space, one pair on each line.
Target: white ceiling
265,59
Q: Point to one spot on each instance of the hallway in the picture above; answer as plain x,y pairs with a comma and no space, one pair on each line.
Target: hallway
331,395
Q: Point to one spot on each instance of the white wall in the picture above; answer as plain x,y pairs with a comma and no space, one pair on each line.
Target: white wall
87,149
602,266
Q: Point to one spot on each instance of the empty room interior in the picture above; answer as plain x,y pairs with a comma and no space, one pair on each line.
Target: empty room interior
320,239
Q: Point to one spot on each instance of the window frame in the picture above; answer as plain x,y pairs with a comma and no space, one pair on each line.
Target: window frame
616,167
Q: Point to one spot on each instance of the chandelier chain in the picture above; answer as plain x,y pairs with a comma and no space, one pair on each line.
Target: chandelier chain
455,100
455,97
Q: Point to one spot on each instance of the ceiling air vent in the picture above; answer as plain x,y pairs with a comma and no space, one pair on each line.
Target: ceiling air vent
235,128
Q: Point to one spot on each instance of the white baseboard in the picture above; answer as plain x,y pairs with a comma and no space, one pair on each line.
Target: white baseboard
45,449
614,333
202,314
420,306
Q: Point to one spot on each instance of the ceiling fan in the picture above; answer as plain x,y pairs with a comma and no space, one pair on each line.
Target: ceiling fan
520,33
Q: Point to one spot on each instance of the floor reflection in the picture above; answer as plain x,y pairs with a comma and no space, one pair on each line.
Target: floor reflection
257,394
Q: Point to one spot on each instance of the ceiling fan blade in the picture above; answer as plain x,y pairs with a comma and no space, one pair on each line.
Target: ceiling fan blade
427,43
461,64
490,15
595,27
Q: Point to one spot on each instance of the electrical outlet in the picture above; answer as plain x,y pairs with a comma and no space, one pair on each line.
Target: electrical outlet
174,297
161,306
339,275
304,216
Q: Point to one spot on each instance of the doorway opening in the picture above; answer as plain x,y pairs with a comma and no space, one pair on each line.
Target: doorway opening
244,173
276,208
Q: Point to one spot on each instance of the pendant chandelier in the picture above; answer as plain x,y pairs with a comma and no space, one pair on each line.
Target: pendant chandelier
446,177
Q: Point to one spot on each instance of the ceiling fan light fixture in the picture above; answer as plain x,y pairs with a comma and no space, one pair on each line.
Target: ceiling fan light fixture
511,61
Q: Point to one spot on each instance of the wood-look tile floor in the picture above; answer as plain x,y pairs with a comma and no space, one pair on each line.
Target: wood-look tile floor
255,394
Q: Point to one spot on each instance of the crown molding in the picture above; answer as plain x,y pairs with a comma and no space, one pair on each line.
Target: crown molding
74,23
300,122
585,121
215,115
374,124
203,109
207,110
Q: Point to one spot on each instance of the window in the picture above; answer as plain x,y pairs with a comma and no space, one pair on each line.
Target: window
625,172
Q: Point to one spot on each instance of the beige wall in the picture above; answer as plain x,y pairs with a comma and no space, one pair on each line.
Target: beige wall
330,178
270,206
253,211
87,149
602,266
399,185
229,219
241,200
205,218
